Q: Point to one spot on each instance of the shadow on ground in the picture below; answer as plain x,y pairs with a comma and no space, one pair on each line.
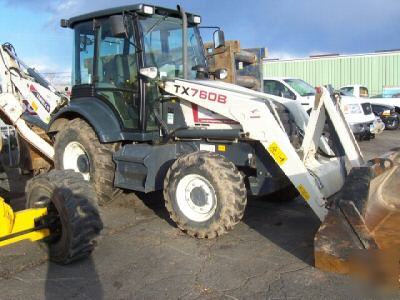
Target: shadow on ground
290,224
81,275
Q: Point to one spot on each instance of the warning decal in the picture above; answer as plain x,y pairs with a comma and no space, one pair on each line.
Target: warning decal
34,106
277,153
303,192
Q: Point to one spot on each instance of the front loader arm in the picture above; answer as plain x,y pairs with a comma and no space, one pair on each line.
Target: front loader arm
258,123
364,213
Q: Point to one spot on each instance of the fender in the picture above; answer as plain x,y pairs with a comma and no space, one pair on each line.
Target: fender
98,114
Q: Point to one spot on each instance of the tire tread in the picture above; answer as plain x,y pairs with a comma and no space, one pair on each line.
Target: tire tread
234,191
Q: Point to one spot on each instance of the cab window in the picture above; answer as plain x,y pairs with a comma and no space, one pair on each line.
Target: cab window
117,74
82,72
162,39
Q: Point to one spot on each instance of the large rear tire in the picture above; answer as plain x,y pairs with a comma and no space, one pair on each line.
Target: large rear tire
72,217
205,194
78,148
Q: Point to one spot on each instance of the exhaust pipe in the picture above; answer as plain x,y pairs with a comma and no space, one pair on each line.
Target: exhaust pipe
184,41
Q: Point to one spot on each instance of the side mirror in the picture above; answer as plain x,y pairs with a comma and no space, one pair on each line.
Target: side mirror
150,72
219,39
117,26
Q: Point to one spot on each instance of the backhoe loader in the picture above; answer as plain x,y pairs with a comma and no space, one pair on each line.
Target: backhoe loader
144,115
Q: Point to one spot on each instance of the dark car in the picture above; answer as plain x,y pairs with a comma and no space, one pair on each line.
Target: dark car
388,115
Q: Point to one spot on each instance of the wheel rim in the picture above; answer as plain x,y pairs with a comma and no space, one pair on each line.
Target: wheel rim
196,198
76,158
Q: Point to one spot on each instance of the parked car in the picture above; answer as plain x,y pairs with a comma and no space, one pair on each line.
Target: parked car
388,115
291,88
355,90
392,100
379,125
390,96
391,92
358,113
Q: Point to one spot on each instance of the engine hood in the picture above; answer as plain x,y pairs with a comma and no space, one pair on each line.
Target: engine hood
352,100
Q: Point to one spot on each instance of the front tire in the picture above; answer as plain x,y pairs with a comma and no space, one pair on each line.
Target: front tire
205,194
78,148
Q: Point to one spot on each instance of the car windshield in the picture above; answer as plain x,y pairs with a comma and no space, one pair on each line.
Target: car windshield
162,37
301,87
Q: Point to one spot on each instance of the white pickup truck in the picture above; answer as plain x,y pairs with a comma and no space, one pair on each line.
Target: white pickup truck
389,96
358,113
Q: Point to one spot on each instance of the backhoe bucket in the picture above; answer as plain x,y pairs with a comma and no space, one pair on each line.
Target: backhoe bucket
363,225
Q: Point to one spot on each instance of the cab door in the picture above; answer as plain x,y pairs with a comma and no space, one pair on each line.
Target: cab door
117,79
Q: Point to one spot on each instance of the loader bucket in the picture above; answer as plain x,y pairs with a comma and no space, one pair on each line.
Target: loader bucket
362,228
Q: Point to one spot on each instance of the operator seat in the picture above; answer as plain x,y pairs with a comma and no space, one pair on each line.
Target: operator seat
116,73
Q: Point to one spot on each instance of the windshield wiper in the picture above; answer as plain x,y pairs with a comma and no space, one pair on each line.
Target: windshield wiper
126,26
154,25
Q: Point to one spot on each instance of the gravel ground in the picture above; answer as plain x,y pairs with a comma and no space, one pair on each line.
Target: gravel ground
141,255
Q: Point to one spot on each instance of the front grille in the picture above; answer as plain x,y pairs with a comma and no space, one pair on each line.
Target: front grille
367,109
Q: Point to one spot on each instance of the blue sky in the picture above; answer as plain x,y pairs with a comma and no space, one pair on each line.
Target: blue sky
288,28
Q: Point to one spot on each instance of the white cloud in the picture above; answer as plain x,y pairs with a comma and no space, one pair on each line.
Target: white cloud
43,64
283,55
54,73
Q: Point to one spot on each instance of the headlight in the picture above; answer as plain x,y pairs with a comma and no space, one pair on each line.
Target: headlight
386,112
221,74
352,109
148,10
194,19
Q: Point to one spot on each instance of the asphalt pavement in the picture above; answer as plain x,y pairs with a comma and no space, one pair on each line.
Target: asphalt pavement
142,255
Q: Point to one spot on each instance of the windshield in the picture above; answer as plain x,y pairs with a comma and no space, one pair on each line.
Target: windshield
346,93
162,37
301,87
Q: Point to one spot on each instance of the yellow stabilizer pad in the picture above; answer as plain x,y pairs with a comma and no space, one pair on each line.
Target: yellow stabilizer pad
6,218
11,224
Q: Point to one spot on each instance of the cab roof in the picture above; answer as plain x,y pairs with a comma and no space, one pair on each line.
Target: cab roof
117,10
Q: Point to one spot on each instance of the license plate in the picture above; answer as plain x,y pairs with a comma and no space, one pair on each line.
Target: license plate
371,127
